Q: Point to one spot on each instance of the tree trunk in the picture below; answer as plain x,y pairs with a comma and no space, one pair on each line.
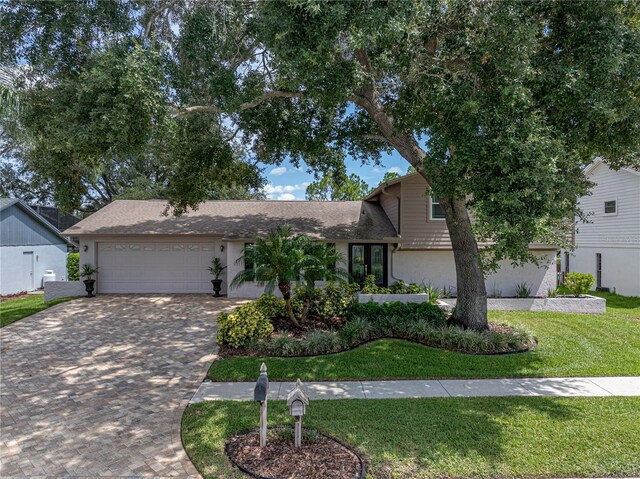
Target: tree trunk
471,307
285,289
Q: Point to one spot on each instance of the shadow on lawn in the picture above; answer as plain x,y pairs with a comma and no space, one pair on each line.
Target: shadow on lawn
404,438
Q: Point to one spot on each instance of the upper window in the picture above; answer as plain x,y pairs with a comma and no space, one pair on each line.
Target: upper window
435,210
610,207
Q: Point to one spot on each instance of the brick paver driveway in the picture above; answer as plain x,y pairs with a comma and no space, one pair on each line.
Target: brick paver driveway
97,387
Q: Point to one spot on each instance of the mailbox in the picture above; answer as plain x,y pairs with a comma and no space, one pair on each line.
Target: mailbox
297,401
261,390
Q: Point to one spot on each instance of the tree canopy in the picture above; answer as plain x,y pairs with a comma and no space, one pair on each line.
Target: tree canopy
498,104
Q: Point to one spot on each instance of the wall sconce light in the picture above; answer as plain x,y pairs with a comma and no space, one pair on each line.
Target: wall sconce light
222,248
85,248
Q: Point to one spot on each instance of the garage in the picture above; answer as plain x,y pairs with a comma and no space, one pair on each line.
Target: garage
154,266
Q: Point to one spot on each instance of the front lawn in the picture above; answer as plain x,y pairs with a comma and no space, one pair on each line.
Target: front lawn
14,309
452,437
568,345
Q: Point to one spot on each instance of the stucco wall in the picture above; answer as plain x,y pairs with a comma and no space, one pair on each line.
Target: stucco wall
253,290
438,269
620,267
14,276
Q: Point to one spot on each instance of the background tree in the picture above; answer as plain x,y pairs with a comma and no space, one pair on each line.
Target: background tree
497,104
337,186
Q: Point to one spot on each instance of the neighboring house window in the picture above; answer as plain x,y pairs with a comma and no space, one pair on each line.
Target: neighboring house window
249,264
566,262
598,270
610,207
435,210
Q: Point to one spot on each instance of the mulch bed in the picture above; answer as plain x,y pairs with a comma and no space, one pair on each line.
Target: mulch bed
10,297
322,458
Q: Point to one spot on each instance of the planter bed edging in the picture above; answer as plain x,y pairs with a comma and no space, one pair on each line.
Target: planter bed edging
389,297
63,289
585,304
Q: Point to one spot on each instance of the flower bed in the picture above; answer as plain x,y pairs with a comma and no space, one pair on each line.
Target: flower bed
261,328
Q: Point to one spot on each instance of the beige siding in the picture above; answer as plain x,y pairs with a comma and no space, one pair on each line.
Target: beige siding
418,231
620,230
389,203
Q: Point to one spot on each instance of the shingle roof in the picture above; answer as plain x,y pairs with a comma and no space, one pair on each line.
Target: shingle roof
332,220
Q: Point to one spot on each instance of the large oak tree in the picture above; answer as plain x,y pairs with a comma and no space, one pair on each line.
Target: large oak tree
497,104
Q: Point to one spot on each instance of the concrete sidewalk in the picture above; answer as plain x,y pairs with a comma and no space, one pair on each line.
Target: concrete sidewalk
569,387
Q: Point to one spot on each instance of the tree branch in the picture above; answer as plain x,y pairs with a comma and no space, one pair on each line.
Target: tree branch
244,106
155,15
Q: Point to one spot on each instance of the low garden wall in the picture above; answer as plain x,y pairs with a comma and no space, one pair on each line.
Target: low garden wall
389,297
585,304
63,289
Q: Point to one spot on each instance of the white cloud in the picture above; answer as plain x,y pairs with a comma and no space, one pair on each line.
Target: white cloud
286,196
395,169
273,190
279,171
376,169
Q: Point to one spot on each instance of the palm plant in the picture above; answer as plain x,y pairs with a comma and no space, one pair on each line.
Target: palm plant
283,258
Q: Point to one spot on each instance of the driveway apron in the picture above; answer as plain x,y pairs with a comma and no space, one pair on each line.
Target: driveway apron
97,387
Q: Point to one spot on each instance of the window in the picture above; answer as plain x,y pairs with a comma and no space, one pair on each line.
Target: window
598,270
610,207
435,210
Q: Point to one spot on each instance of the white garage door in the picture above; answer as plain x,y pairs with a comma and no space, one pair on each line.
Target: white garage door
155,267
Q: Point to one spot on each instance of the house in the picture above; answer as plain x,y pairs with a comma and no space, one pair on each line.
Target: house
397,232
29,246
608,246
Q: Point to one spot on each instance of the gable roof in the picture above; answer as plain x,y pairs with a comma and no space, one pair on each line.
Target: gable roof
8,202
386,184
235,220
599,161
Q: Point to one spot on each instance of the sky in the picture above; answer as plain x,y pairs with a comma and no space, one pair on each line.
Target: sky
286,182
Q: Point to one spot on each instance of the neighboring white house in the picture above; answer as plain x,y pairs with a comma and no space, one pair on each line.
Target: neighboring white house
396,233
29,245
608,246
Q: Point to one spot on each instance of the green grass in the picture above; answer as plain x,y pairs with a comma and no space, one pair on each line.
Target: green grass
568,345
452,437
15,309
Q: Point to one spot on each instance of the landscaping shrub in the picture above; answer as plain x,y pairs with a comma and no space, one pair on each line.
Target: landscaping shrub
334,299
376,312
242,325
272,306
73,266
283,345
356,331
522,290
321,342
400,287
579,283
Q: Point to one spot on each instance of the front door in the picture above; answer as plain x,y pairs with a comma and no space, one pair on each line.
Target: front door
366,259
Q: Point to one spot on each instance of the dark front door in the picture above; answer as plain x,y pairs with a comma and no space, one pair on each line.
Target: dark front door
366,259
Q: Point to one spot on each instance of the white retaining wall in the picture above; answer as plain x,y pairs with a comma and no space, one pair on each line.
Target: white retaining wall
63,289
386,298
586,304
